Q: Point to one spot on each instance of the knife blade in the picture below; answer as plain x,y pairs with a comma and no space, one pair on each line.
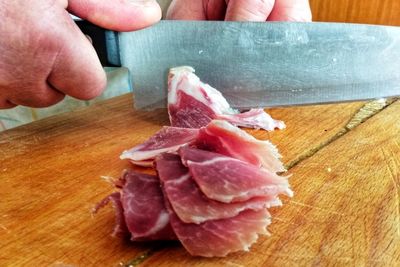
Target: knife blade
263,64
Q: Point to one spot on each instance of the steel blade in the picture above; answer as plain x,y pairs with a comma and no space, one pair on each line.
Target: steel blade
266,64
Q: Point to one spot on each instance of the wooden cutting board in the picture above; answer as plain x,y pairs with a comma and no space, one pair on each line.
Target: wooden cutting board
346,181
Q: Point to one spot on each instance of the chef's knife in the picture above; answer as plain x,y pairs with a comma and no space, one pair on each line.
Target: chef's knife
263,64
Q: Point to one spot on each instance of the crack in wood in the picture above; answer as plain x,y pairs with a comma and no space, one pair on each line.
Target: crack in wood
309,153
141,258
366,112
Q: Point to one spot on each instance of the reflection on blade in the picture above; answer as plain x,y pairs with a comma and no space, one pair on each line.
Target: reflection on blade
266,64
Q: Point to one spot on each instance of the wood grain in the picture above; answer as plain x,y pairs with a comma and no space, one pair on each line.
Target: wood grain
386,12
50,175
345,212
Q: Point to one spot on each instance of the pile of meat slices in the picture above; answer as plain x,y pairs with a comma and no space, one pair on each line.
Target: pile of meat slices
214,182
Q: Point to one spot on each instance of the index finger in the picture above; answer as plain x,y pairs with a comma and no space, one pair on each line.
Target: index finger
122,15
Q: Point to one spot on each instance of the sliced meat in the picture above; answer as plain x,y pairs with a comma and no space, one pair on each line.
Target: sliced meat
228,180
193,104
190,113
189,203
224,138
217,238
120,227
254,118
168,139
144,210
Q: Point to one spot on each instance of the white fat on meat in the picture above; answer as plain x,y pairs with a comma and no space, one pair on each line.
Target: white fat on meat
184,79
168,139
193,104
254,118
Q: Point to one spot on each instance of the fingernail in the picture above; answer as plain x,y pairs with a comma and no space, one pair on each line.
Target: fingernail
89,38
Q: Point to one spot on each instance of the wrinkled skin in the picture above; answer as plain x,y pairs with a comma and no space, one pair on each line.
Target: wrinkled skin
44,56
241,10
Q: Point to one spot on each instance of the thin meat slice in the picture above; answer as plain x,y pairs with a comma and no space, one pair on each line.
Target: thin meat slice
190,113
193,104
120,227
218,238
254,118
224,138
168,139
189,203
228,180
144,209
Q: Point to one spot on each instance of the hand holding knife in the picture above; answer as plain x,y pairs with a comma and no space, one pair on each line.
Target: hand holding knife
44,56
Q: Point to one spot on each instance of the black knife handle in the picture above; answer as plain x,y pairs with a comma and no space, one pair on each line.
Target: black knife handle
104,42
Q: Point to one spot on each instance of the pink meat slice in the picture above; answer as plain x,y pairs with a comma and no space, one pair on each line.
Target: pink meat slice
218,238
190,113
120,227
228,180
168,139
193,104
144,209
254,118
189,203
224,138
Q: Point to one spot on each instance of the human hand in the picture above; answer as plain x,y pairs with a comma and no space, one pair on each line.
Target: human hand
43,54
240,10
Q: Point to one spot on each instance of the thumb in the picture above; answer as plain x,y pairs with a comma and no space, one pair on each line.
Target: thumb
122,15
249,10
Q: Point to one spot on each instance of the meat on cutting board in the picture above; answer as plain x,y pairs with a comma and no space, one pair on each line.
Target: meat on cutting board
228,179
214,181
144,210
189,202
218,238
224,138
173,205
141,204
168,139
120,227
193,104
218,136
